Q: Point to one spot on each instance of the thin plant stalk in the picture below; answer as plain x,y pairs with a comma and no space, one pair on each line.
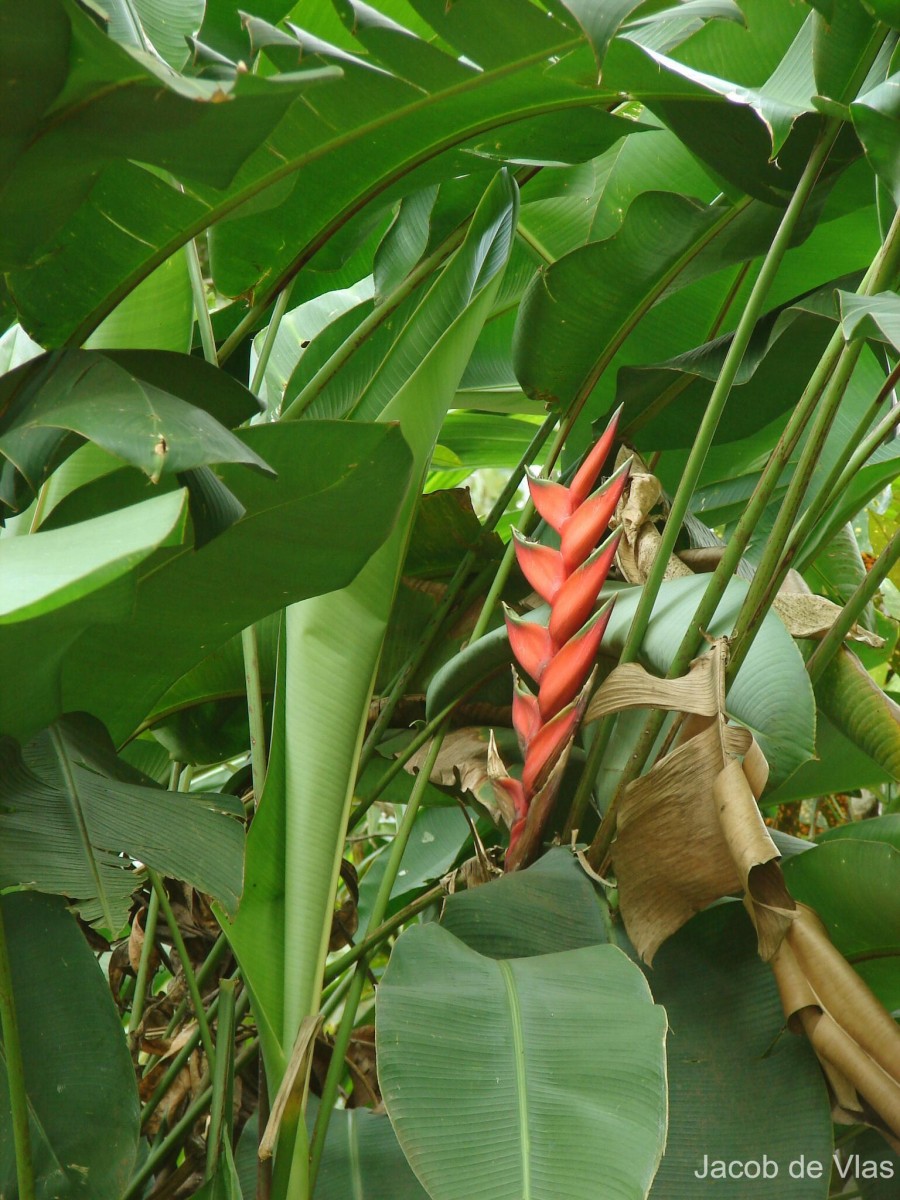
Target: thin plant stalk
222,1105
15,1074
427,731
379,907
850,461
374,939
831,642
248,636
180,1059
201,308
777,554
691,474
369,324
143,971
179,1131
265,351
255,712
190,977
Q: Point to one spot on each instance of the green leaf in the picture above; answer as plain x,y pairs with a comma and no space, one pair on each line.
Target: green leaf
546,908
771,694
162,26
664,403
572,1099
858,707
57,583
851,879
68,811
90,395
740,1086
333,645
577,309
362,1158
308,531
871,316
876,117
79,1079
600,22
435,844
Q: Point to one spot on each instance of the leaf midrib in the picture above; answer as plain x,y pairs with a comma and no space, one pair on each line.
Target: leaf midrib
518,1046
70,788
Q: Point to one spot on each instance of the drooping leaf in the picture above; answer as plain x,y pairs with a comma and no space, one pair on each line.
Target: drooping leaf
741,1088
161,26
871,316
78,1074
70,813
558,1122
307,531
876,117
548,907
54,584
92,396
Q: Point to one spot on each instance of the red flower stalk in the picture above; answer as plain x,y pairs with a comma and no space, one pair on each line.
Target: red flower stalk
559,656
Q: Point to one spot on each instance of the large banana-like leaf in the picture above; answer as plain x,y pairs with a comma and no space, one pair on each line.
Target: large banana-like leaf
518,1077
333,644
68,781
82,1099
771,694
736,1090
308,531
55,584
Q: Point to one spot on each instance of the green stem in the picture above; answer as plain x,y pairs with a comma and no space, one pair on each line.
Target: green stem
220,945
379,315
831,642
140,987
778,554
201,308
384,931
174,1068
849,463
15,1073
255,712
690,476
426,732
189,977
379,907
221,1108
265,352
179,1131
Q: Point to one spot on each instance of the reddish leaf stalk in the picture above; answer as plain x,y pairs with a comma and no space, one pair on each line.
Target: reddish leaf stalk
559,656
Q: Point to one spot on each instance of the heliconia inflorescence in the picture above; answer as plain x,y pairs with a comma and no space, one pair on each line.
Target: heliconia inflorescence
560,655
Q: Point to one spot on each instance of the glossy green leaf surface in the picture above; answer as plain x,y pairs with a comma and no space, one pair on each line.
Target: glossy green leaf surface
570,1099
56,584
851,880
307,531
78,1077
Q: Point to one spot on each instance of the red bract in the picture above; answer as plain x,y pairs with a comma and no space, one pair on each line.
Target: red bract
559,656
